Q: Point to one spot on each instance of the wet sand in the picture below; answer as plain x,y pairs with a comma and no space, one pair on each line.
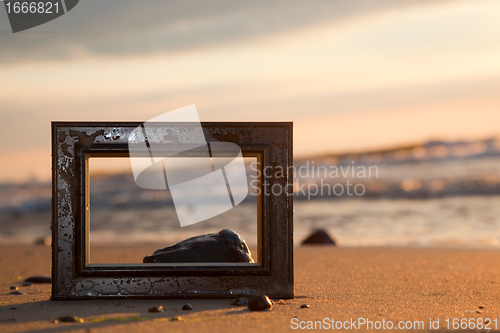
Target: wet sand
379,284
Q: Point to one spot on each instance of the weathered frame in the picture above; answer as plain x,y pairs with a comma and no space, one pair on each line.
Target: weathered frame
74,142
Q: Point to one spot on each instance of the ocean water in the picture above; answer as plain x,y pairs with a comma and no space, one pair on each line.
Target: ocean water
447,201
472,221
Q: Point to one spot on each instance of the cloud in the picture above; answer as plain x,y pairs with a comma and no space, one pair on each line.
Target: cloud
114,28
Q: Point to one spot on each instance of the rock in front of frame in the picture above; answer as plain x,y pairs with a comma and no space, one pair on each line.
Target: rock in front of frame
260,303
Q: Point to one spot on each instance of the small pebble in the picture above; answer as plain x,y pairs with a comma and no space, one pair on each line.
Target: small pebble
281,302
13,308
69,319
481,307
241,301
26,284
304,306
176,318
16,292
260,303
13,288
187,307
158,308
38,279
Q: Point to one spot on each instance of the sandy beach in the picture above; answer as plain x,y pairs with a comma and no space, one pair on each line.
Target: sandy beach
129,127
377,283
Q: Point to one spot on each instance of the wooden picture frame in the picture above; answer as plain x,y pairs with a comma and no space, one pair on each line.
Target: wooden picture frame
73,278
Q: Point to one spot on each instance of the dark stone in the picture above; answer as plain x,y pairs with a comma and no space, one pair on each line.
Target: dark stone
187,307
13,288
158,308
38,279
319,237
224,246
16,292
304,306
260,303
69,319
242,301
13,308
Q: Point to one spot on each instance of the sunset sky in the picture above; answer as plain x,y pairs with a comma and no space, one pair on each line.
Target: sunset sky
351,75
